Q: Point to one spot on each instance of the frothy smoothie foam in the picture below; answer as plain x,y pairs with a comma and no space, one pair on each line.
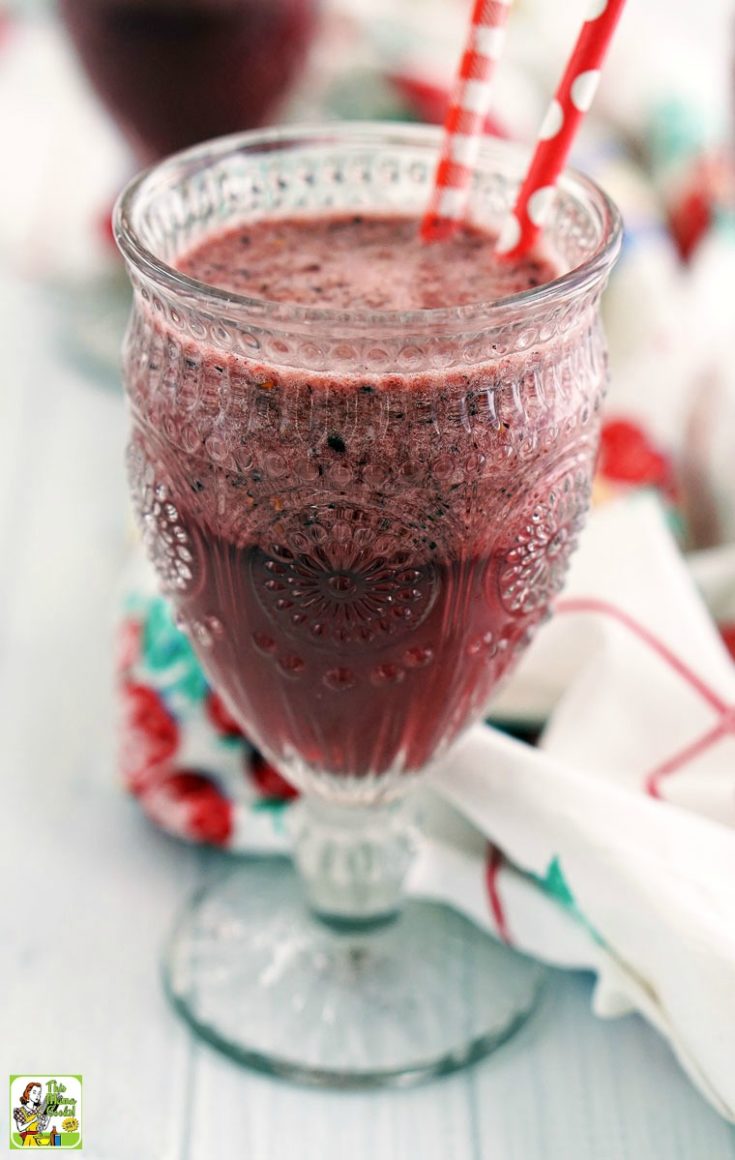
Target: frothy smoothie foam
357,261
361,557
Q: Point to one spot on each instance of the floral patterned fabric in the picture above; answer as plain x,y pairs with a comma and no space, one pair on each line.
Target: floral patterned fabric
181,753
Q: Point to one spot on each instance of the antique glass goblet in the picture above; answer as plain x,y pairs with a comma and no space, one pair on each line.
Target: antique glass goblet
361,517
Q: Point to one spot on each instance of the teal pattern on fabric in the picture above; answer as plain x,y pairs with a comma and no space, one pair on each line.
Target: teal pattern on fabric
166,647
557,886
677,132
554,883
276,808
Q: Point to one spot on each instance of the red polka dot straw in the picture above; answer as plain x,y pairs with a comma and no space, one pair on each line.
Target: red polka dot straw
465,119
572,100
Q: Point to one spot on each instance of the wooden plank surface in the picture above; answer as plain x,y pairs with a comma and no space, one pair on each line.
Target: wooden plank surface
89,889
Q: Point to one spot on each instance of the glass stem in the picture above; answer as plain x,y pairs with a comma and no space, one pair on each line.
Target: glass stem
353,859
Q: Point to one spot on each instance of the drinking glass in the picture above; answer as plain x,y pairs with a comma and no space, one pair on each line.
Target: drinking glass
173,72
361,517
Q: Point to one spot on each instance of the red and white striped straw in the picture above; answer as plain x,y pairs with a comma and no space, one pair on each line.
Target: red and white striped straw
465,119
573,98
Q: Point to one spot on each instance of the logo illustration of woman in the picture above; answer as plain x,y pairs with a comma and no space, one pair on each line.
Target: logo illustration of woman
30,1119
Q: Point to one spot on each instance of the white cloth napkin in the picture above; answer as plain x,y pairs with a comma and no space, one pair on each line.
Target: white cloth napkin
617,849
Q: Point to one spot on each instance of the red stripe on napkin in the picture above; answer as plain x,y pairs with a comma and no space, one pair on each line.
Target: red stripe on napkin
602,607
492,869
725,725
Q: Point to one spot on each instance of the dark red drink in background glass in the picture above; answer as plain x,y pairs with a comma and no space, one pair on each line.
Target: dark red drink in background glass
173,72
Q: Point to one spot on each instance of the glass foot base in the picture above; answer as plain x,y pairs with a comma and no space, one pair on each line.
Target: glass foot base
257,976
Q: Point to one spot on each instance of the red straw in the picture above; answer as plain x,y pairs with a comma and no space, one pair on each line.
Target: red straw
572,100
465,119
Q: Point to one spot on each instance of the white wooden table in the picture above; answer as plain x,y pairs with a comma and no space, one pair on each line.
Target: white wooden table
88,889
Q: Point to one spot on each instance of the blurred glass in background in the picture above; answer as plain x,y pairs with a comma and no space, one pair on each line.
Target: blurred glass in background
174,72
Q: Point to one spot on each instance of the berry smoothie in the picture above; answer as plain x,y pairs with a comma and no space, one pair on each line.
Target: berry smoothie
359,558
174,72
